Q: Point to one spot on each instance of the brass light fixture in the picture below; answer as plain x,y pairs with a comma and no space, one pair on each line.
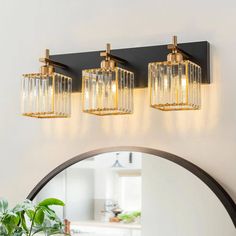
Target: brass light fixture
108,90
46,94
175,84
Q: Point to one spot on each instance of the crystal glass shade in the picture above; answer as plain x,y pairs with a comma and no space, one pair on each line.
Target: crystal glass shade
107,91
175,86
46,96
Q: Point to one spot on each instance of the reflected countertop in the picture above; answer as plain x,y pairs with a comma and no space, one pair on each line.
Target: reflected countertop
120,225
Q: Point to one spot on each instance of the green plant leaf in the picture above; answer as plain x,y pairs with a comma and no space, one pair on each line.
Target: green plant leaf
30,214
51,202
10,222
39,217
49,213
23,222
27,218
136,213
3,205
15,220
25,206
3,230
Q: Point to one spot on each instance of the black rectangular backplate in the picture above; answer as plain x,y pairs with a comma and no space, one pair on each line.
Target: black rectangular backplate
138,59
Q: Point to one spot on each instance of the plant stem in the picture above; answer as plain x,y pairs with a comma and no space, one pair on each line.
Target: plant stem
32,222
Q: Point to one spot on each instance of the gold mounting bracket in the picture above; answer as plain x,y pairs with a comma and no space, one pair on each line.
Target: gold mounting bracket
110,60
176,54
48,62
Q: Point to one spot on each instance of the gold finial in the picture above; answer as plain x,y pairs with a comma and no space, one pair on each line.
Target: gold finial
173,46
47,53
108,48
174,40
108,51
45,59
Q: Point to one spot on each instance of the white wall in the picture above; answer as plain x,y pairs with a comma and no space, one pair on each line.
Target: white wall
31,148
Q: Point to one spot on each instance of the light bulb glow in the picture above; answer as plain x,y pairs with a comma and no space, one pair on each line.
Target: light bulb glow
113,87
45,96
184,82
175,86
111,94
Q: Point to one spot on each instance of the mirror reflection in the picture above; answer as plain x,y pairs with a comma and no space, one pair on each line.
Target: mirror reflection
134,194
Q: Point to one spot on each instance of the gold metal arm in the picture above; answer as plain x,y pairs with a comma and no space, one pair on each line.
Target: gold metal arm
50,62
108,56
176,50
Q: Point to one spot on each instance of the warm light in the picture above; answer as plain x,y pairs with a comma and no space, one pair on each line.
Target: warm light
113,87
175,83
107,90
46,94
184,83
165,82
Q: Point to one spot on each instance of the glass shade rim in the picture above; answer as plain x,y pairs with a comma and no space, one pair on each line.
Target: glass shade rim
99,69
40,75
108,112
46,115
176,107
168,63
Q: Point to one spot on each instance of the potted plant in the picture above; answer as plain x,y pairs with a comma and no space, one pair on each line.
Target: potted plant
130,217
27,218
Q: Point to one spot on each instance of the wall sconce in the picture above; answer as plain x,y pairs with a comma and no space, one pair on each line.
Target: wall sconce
47,94
108,90
175,84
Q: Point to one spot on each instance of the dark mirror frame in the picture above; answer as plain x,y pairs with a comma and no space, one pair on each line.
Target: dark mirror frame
219,191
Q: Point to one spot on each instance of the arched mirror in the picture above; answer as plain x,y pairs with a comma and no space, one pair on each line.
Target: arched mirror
138,192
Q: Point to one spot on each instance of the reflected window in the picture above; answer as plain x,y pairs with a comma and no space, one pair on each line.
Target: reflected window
130,193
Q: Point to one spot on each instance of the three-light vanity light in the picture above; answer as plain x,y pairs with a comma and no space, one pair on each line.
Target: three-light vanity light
174,84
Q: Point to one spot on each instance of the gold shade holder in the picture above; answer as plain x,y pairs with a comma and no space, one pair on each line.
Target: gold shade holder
49,65
177,54
110,61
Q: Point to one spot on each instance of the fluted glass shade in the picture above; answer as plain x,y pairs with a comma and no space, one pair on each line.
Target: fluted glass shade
175,86
46,96
107,91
